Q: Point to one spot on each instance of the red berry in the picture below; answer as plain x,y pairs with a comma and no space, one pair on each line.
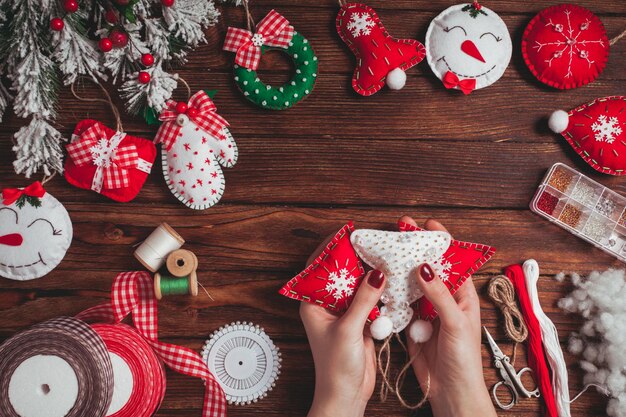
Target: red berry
70,6
122,2
192,112
181,107
119,39
57,24
110,16
105,44
167,3
147,60
143,77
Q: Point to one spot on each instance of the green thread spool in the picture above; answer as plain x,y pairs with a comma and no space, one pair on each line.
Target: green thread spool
169,285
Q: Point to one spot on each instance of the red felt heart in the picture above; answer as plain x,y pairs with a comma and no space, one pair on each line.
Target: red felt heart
464,259
471,49
597,131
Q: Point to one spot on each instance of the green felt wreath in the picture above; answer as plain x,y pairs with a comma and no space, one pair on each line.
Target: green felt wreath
285,96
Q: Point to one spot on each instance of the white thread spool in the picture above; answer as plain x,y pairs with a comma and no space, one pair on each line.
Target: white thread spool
153,252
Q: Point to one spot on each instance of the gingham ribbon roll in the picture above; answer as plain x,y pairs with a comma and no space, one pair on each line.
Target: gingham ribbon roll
42,368
112,160
143,394
274,30
133,293
205,117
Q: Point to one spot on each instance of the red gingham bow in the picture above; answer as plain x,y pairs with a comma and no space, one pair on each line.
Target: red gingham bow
205,117
11,195
132,293
112,161
273,30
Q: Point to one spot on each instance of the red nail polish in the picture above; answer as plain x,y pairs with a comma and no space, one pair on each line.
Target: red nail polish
427,273
376,279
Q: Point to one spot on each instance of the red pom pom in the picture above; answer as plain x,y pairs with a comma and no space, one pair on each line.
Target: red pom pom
105,44
119,39
192,112
70,6
167,3
110,16
147,60
143,77
181,107
57,24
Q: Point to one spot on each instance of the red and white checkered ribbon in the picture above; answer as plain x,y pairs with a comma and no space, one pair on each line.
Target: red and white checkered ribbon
205,117
133,293
274,30
112,161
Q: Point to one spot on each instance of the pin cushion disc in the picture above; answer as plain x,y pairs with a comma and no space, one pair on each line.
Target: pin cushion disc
244,360
285,96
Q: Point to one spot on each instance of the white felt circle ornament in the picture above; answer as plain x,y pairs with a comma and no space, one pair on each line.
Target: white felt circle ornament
35,232
468,47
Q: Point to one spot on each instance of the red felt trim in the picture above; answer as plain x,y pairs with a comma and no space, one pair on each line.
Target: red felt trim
82,176
607,158
535,61
400,53
466,258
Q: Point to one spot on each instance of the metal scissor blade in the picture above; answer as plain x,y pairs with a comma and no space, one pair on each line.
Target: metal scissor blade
492,344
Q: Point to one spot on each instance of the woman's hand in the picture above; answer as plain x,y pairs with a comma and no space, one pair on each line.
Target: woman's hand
344,355
452,357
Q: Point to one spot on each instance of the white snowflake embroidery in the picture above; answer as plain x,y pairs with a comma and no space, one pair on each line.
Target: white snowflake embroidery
360,24
340,285
442,267
606,129
103,153
572,45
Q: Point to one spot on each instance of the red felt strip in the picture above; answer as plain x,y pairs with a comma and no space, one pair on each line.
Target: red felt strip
536,355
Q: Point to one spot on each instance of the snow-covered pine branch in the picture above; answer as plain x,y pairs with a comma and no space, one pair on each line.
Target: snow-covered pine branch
187,19
158,37
38,146
122,61
153,94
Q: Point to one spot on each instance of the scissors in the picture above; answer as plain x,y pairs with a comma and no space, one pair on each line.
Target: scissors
511,378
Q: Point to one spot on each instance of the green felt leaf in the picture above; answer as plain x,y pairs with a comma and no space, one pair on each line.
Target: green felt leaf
211,93
151,117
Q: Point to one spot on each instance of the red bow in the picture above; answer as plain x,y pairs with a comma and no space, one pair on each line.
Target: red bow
200,110
11,195
133,293
450,80
112,161
273,30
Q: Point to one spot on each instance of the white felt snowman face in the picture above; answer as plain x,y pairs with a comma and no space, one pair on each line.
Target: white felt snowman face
33,240
468,47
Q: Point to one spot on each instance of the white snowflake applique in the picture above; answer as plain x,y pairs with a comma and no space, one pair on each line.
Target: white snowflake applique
340,284
606,129
442,267
103,153
573,44
360,24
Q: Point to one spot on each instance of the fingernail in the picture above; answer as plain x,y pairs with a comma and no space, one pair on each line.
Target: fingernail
376,279
427,273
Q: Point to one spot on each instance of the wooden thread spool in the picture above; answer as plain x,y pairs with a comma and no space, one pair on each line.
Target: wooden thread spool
181,263
168,285
154,250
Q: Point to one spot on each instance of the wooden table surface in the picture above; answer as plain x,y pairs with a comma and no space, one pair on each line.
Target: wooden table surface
472,162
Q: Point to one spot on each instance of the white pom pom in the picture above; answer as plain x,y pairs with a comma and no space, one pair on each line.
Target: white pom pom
396,78
558,121
381,328
420,331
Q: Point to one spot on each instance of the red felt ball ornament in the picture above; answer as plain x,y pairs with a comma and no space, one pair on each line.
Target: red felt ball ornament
119,39
57,24
110,16
167,3
143,77
70,6
105,44
181,107
565,46
147,60
192,112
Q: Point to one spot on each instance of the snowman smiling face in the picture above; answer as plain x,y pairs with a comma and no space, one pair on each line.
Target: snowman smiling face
35,234
470,42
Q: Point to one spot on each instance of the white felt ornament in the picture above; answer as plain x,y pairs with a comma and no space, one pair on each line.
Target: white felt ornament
398,255
35,232
468,47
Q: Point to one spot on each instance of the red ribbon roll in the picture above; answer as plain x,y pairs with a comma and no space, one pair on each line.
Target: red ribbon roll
147,371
